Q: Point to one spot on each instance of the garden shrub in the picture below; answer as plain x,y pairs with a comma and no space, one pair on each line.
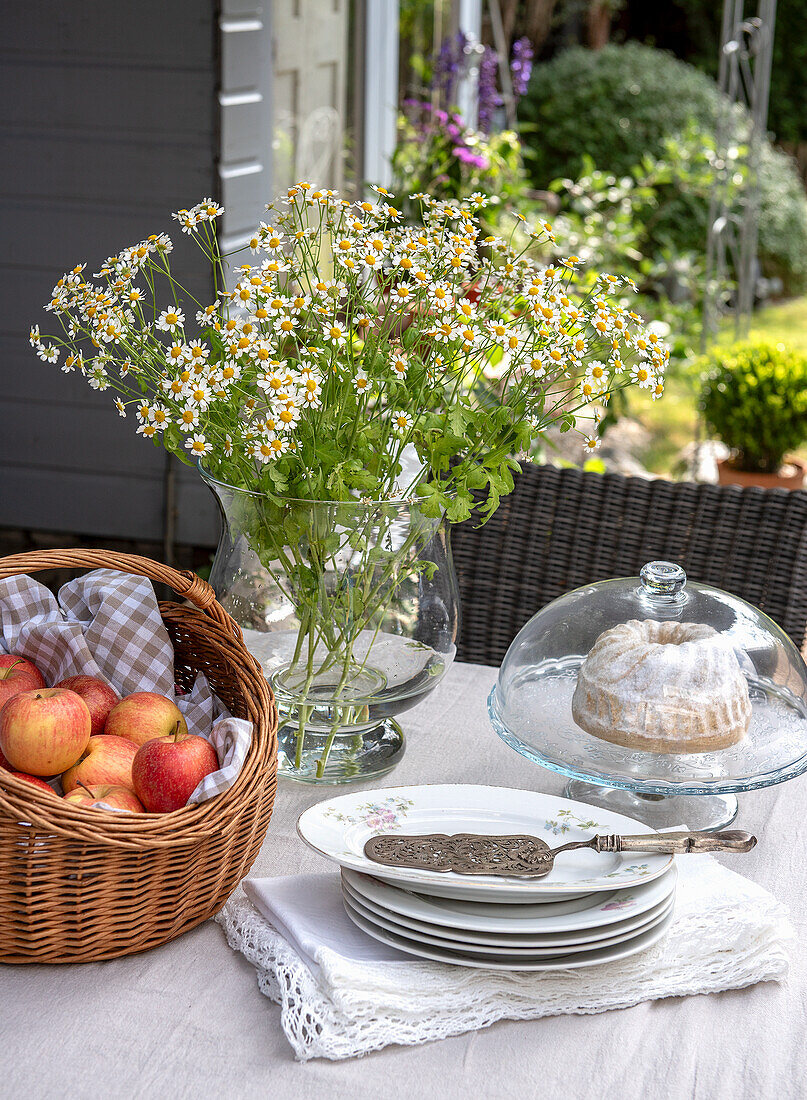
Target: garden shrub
754,398
617,105
621,105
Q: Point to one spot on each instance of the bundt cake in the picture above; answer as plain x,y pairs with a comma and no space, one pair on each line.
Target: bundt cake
663,687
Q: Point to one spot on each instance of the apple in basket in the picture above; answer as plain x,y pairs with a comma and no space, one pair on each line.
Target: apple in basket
98,695
119,798
18,674
106,759
167,770
143,716
37,782
44,732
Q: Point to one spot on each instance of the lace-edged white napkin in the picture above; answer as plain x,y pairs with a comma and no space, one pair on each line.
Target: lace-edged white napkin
344,994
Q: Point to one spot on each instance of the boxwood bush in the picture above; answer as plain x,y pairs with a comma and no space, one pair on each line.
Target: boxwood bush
615,104
754,398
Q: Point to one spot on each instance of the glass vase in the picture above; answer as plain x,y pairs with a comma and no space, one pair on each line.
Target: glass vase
352,611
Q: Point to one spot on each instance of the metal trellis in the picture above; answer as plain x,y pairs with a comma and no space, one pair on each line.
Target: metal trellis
746,51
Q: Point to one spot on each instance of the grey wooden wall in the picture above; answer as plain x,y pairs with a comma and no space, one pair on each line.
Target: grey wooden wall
110,122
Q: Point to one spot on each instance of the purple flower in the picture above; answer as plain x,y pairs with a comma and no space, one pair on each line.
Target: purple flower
463,153
489,98
521,66
448,67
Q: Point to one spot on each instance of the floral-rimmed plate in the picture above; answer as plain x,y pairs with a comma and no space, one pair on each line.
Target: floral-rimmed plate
594,957
511,948
339,827
545,925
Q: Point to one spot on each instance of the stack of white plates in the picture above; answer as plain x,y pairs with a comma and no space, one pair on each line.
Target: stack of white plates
592,908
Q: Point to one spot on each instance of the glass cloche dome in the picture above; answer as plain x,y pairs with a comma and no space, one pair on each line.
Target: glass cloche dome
656,686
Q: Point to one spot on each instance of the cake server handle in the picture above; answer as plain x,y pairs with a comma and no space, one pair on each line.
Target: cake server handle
731,840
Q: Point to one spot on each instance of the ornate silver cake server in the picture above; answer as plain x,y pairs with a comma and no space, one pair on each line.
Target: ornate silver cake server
527,856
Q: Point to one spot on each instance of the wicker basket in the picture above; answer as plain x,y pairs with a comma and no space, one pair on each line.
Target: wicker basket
80,884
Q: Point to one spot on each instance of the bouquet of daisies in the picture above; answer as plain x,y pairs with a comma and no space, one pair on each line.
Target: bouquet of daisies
351,337
360,360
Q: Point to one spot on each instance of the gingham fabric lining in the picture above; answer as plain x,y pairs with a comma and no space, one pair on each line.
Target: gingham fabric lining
107,624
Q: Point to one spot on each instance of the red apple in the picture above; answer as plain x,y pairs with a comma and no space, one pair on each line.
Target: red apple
17,674
44,732
119,798
167,770
143,716
5,764
106,759
37,782
99,697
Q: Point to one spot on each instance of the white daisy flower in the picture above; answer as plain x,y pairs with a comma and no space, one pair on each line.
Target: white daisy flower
361,383
177,353
198,446
187,220
188,418
268,449
198,395
336,335
597,370
207,315
287,416
170,319
643,376
159,417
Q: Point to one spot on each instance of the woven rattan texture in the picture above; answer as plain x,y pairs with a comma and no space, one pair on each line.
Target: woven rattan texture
80,884
563,528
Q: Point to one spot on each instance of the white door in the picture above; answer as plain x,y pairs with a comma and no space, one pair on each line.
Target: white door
309,91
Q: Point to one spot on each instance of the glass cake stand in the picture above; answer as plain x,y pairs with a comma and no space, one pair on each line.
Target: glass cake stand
530,706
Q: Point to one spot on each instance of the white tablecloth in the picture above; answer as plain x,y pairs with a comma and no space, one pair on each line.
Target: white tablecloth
187,1020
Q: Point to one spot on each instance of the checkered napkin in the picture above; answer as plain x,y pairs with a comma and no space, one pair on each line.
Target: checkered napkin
107,624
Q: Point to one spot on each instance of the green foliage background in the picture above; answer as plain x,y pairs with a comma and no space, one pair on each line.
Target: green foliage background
617,106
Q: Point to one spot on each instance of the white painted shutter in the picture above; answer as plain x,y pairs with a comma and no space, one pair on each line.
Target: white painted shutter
245,163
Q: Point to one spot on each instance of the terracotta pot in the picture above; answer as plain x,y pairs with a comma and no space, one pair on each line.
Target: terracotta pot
789,476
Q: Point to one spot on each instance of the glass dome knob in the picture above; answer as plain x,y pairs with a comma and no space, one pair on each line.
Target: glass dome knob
663,579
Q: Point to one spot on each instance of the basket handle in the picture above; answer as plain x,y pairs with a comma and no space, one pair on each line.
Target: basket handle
186,584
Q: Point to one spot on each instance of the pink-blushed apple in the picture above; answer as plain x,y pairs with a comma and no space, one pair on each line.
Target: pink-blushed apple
17,674
143,716
37,782
106,759
167,770
44,732
98,695
119,798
